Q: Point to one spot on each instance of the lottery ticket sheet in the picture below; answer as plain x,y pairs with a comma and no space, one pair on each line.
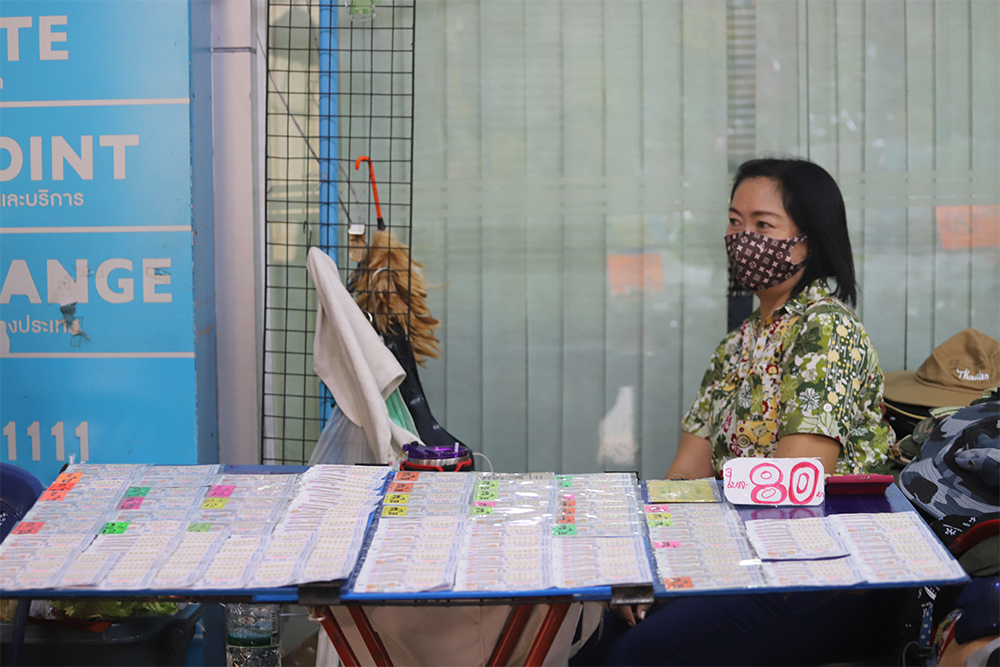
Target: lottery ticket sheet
683,491
895,548
798,539
136,527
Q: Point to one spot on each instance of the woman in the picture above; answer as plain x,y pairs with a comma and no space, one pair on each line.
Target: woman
800,378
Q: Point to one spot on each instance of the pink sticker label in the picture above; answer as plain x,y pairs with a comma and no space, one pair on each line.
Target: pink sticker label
131,503
666,545
567,496
657,509
485,503
221,491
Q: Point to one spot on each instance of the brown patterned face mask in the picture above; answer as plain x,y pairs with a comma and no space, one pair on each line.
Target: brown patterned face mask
760,261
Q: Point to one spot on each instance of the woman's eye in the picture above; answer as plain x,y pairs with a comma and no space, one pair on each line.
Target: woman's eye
763,225
733,222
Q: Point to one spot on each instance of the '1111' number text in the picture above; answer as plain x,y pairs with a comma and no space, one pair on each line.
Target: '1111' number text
58,432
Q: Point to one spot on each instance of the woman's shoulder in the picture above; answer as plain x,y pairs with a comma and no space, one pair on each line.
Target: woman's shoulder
825,322
820,307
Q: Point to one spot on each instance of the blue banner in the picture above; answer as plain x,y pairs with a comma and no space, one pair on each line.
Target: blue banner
97,299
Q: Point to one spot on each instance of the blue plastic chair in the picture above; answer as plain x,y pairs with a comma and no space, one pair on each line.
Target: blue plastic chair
19,490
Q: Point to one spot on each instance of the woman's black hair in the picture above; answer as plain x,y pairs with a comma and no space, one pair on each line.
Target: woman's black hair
814,203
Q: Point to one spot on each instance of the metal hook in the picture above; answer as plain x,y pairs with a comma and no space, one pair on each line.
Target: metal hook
371,176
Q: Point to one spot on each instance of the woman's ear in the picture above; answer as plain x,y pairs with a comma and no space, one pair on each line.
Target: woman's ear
800,251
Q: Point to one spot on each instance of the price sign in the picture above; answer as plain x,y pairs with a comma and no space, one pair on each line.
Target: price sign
488,484
28,528
397,499
134,491
659,523
394,510
199,527
407,476
221,490
564,530
214,503
486,495
565,482
52,495
666,545
566,519
480,510
749,481
114,528
485,503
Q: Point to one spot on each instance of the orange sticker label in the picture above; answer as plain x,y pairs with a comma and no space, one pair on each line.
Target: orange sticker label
400,487
678,582
28,527
52,495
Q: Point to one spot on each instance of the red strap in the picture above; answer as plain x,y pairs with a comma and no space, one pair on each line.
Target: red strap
975,535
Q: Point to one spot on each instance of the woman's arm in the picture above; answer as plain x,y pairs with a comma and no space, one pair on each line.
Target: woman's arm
693,459
808,445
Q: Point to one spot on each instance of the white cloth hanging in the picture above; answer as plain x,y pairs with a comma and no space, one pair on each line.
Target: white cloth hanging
351,360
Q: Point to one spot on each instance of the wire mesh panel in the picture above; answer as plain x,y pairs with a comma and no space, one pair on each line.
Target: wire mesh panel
340,85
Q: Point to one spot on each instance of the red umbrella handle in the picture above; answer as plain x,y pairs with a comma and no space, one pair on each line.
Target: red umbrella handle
371,175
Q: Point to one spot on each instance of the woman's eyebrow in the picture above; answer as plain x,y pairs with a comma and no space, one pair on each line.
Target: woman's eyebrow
771,213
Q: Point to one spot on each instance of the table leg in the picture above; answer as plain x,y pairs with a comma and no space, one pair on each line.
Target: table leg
20,627
511,634
336,633
372,640
546,634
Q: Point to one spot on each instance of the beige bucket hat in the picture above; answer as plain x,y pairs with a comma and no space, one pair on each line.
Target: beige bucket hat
958,371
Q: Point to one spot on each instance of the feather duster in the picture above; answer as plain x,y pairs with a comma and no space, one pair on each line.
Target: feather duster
392,288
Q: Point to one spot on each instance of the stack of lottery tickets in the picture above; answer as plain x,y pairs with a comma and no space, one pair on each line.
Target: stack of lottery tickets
137,527
701,546
598,537
497,532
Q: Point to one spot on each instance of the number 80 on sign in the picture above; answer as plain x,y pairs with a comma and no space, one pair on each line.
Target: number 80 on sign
750,481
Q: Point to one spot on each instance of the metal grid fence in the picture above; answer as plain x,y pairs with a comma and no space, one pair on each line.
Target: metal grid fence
340,85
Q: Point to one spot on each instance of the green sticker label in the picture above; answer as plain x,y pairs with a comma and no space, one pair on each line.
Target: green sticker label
114,528
660,523
486,485
199,527
134,491
486,495
480,510
565,482
563,530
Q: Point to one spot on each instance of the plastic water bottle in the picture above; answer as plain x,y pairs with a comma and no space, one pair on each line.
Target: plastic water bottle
252,635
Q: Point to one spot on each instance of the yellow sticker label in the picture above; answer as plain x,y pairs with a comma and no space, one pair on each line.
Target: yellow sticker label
394,511
214,503
397,499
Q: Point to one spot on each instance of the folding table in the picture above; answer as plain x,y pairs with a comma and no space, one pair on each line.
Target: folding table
321,596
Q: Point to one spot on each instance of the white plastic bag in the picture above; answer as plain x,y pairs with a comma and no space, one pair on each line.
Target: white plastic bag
341,442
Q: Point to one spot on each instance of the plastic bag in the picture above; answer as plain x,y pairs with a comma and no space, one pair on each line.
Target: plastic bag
341,442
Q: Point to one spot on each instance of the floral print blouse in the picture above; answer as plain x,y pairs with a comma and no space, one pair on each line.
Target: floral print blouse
809,368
